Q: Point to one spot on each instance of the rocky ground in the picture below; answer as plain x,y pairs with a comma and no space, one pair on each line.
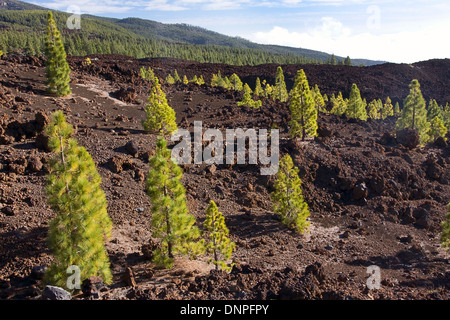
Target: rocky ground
373,201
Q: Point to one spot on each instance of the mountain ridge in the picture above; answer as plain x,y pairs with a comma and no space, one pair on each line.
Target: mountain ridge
194,35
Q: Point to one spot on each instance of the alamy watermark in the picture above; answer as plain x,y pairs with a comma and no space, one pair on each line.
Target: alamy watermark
213,153
74,21
374,280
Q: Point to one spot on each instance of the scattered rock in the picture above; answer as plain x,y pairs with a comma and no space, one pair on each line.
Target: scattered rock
35,164
9,211
360,191
115,164
408,138
55,293
128,277
132,147
42,142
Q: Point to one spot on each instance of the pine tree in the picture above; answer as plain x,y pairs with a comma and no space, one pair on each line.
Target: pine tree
339,105
397,109
437,128
147,73
58,70
445,235
372,110
160,117
414,114
318,99
258,88
171,222
433,111
247,99
446,115
348,61
219,244
236,83
176,77
170,79
77,233
201,81
388,109
303,111
279,91
287,197
355,108
268,91
333,60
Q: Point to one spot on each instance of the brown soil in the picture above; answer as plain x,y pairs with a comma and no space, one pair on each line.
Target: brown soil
396,225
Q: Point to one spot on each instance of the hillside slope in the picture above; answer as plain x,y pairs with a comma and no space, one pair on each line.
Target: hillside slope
181,33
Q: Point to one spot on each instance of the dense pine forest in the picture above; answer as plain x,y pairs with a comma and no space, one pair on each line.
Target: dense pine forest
23,32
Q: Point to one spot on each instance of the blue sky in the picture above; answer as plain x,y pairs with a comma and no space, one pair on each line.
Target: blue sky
396,31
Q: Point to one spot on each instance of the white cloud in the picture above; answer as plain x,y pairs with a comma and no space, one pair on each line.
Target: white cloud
333,37
163,5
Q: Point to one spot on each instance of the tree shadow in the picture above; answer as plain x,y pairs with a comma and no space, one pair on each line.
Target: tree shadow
253,225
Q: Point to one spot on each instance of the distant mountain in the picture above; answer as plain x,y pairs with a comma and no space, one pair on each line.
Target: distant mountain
183,33
180,34
18,5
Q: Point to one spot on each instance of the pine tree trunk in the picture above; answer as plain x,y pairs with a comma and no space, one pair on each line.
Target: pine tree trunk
169,229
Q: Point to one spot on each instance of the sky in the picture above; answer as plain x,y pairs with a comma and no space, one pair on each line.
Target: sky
394,31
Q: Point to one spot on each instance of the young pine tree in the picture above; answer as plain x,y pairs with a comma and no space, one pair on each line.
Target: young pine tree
372,110
303,110
414,113
433,110
318,99
217,232
147,73
339,105
77,233
355,108
171,222
236,83
160,117
258,88
176,77
287,197
388,109
58,70
279,91
437,129
445,235
396,109
170,79
247,99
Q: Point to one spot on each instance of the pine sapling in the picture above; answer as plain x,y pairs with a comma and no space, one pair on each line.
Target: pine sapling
414,113
160,117
302,107
339,105
279,91
288,199
217,233
77,234
247,99
388,109
57,68
171,221
355,108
